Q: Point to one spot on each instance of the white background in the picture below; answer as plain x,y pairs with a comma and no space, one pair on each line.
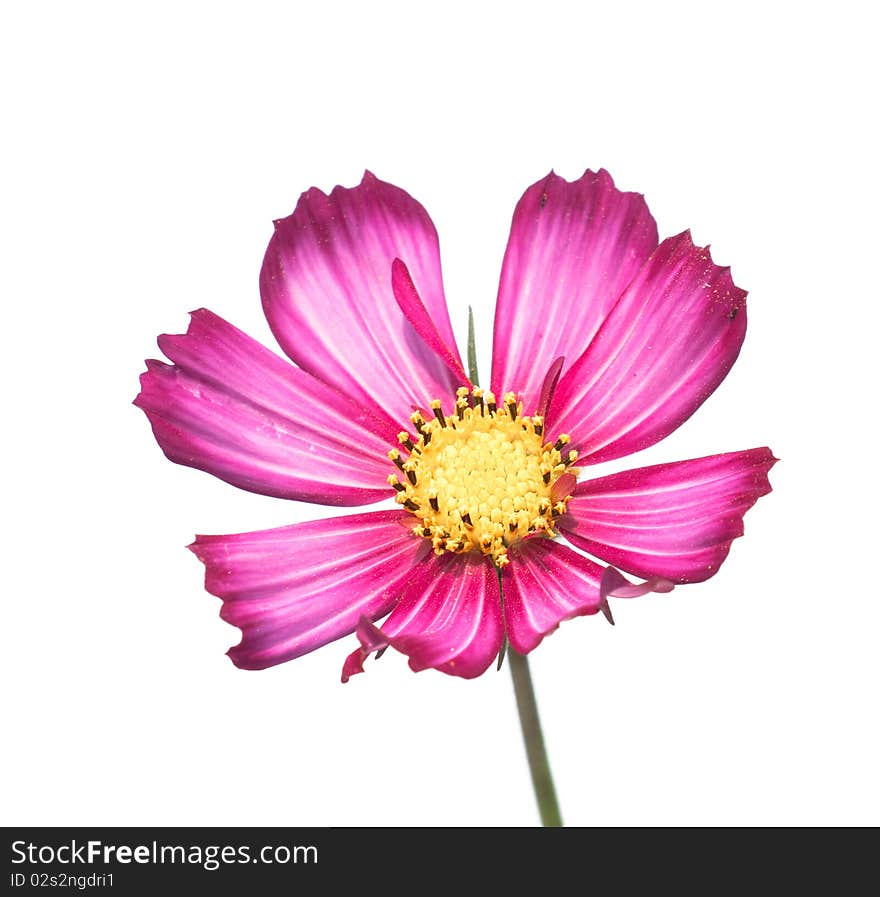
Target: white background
146,152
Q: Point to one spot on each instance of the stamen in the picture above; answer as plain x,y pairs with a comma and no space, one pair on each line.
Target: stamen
406,440
438,411
418,422
396,484
394,455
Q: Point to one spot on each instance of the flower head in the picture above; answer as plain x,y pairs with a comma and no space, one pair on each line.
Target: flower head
605,342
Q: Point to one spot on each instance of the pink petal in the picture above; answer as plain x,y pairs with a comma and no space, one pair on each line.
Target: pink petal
414,310
663,349
615,585
448,618
573,248
544,584
293,589
232,408
672,520
548,387
326,287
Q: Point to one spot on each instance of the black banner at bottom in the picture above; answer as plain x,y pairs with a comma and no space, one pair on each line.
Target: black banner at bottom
122,861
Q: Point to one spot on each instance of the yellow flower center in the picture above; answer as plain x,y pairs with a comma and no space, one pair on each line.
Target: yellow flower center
482,478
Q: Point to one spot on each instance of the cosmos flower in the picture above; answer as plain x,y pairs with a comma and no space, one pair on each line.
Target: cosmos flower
605,342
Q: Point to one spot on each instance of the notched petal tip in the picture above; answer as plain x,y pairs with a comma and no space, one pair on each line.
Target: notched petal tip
600,176
155,368
197,547
684,244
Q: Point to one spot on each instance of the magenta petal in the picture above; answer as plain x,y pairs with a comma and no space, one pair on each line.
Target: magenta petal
353,664
674,521
662,351
293,589
232,408
413,308
448,619
548,387
573,248
615,585
544,584
326,288
372,639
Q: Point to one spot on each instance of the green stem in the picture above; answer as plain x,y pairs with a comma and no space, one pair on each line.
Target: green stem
526,704
539,765
472,350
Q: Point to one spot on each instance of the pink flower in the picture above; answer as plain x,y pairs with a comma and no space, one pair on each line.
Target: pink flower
605,342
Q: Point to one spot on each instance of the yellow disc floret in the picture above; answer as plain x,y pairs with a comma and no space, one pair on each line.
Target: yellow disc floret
482,477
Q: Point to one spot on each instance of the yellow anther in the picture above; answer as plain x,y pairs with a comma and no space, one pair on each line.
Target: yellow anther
395,484
394,455
406,441
417,420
